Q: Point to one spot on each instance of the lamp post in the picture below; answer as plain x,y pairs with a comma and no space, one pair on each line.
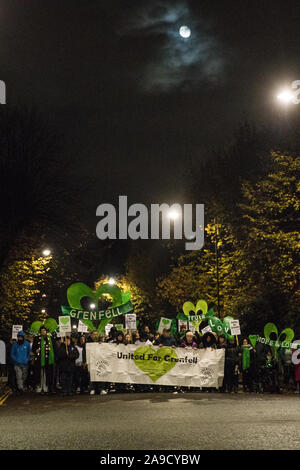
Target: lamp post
217,265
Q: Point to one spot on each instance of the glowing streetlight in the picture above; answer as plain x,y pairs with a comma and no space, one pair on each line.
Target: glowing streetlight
285,96
111,281
47,252
92,306
43,311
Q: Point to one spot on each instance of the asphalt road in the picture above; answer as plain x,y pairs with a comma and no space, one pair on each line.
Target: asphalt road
151,421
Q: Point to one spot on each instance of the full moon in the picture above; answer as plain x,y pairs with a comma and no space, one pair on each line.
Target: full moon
184,32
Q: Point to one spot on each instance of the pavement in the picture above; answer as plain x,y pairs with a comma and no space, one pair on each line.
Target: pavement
150,421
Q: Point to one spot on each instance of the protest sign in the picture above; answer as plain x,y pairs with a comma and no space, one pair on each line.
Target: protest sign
130,321
207,329
235,328
15,330
108,327
182,322
82,328
146,364
64,325
164,323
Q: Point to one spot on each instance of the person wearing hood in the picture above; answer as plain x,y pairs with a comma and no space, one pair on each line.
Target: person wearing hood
20,355
209,340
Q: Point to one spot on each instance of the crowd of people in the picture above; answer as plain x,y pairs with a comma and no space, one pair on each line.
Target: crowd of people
48,364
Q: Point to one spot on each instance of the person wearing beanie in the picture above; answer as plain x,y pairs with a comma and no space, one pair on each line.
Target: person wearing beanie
20,355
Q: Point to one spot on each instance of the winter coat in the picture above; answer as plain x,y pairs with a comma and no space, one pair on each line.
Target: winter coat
232,354
67,360
165,341
20,353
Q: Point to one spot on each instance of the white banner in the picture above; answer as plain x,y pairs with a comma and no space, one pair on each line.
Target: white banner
109,362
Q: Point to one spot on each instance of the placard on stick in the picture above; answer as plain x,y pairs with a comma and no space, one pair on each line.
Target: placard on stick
15,330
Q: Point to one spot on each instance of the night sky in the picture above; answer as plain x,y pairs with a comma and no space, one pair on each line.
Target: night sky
137,103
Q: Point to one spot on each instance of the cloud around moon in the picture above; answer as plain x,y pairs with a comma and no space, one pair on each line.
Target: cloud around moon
174,62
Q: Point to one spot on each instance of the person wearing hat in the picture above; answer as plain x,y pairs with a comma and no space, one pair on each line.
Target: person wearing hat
20,355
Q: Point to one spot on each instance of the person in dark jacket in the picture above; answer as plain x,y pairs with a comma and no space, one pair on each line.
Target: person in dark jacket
231,372
165,339
121,387
209,340
67,355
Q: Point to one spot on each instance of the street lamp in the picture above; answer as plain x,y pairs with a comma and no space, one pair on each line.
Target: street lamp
111,281
92,306
285,96
47,252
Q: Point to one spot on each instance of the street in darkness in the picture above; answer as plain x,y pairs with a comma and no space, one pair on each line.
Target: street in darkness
206,421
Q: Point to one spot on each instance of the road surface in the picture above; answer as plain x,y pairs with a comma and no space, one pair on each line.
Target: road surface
151,421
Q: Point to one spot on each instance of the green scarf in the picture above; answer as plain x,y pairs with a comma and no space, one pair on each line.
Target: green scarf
246,357
49,351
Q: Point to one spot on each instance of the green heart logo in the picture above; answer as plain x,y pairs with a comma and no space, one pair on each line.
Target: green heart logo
165,321
78,290
65,320
272,328
253,339
201,308
153,363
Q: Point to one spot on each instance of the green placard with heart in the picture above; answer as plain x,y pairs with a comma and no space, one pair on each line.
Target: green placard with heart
153,363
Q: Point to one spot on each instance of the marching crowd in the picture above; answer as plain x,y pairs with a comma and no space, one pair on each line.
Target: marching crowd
48,365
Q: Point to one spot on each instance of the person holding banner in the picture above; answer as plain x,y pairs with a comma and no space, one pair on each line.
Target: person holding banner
188,341
165,339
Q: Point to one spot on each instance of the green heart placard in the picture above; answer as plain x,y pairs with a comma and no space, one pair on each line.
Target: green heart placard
78,290
253,339
152,363
64,320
